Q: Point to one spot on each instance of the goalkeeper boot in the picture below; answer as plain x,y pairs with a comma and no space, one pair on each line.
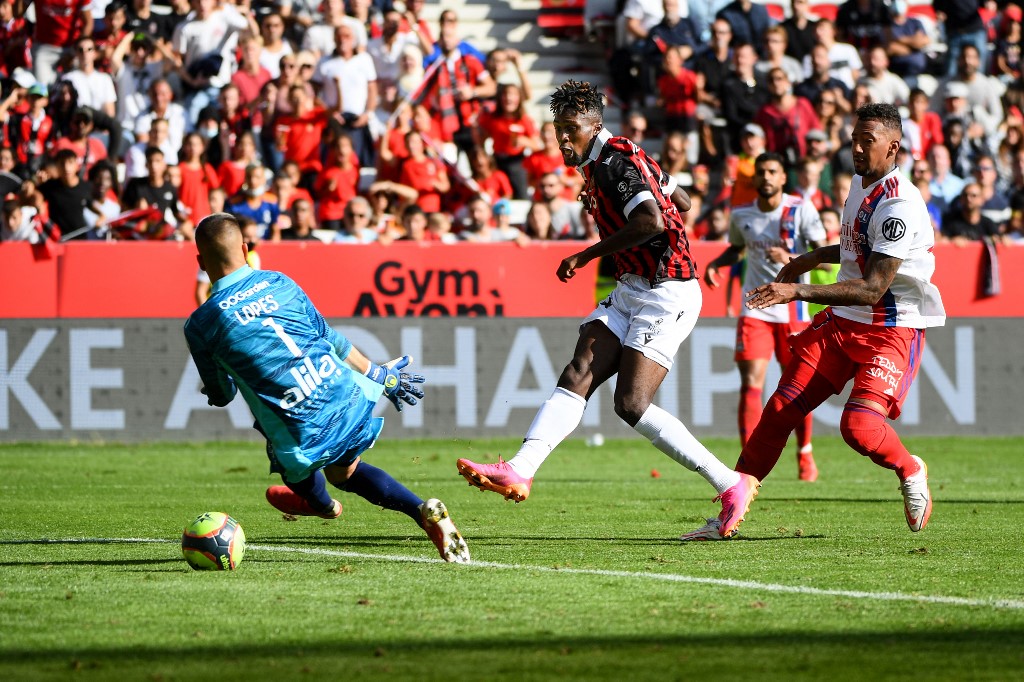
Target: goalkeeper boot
917,499
443,533
712,530
735,504
282,498
499,478
807,468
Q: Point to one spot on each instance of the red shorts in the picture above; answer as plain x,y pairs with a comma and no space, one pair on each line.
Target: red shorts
757,339
882,361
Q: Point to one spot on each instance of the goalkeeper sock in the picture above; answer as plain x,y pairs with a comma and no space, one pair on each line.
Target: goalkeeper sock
376,486
556,419
669,435
313,490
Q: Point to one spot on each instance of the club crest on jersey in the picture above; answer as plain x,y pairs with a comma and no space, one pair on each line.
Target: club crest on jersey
893,229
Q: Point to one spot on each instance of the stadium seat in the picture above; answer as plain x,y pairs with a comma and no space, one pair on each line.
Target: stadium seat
561,17
776,12
825,10
920,11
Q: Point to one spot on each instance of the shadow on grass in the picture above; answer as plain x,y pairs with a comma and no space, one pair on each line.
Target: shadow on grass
93,562
993,649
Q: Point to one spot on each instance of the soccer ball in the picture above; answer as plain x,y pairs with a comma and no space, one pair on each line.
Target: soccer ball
213,542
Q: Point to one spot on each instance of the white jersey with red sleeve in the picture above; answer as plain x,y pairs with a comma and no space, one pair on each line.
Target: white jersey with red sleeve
794,225
889,217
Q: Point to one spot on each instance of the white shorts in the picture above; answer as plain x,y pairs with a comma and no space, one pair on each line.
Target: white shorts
654,321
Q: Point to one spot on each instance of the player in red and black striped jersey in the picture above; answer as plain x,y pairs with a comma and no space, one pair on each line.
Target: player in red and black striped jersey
618,178
636,332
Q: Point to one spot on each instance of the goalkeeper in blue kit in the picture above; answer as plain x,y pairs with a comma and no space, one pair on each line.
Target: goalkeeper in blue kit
311,391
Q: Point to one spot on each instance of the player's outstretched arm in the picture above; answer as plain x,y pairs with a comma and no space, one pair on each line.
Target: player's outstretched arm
399,387
792,270
879,273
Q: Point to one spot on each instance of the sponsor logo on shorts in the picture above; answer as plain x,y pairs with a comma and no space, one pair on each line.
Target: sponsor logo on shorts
884,369
653,331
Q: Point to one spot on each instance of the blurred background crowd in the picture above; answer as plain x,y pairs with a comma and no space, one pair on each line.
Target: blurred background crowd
362,121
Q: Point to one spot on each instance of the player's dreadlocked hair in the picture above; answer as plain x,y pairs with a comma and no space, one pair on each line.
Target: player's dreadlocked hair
886,114
577,97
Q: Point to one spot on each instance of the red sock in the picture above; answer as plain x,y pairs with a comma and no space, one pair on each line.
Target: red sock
800,391
750,411
803,433
867,432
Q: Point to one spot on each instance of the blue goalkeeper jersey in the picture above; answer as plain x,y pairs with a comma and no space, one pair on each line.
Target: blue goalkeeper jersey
260,335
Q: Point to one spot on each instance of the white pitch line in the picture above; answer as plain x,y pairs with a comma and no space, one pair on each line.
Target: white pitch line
670,577
665,577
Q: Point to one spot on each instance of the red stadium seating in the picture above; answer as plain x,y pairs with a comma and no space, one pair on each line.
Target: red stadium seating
561,17
919,11
776,12
825,10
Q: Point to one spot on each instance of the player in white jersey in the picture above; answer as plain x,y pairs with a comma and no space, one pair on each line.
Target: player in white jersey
771,231
874,332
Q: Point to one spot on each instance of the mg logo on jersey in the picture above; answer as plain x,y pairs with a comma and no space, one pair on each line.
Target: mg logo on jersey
893,229
308,379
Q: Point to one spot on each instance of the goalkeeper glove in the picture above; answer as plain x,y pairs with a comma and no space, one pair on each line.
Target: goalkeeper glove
399,386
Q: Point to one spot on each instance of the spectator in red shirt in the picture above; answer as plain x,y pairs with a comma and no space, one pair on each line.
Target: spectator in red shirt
232,171
677,91
808,177
425,174
88,150
197,177
14,40
490,181
424,123
413,21
786,119
27,132
59,23
512,131
455,89
337,184
549,160
235,119
251,75
298,134
286,187
114,19
923,127
392,151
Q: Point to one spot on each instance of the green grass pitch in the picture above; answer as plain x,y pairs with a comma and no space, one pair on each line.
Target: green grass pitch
584,581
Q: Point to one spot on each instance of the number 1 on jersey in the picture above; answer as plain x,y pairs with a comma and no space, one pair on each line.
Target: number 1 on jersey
283,335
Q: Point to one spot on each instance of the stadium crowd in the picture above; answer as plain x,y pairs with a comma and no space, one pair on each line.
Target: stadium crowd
726,80
360,121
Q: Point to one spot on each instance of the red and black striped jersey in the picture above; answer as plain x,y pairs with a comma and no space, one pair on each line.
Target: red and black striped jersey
619,176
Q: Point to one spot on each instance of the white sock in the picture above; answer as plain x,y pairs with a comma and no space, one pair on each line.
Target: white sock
669,435
556,419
